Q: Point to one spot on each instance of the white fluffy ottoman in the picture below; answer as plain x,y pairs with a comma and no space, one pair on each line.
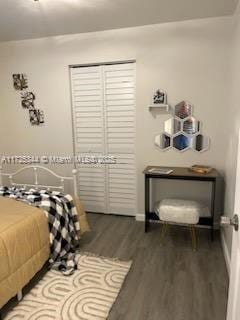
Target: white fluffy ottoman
180,212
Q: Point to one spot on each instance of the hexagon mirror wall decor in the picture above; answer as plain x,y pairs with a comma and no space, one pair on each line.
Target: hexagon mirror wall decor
201,143
172,126
183,110
163,141
182,142
191,125
182,131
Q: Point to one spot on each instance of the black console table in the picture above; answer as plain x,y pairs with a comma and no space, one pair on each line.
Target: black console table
180,173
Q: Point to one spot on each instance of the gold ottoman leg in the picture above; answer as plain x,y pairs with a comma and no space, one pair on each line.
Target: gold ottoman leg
193,237
164,231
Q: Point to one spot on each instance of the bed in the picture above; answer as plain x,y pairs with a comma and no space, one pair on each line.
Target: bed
24,234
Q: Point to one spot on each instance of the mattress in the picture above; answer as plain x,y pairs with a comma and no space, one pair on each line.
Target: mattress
24,244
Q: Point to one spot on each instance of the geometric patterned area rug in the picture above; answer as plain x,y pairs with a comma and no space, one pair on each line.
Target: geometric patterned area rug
88,294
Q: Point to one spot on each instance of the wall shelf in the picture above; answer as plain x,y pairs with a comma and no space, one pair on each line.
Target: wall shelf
160,107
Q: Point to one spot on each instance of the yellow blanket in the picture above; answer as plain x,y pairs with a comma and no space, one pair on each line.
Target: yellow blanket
24,244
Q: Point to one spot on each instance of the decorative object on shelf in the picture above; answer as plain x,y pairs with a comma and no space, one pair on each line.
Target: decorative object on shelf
160,170
160,97
28,99
160,101
20,81
182,131
200,169
36,116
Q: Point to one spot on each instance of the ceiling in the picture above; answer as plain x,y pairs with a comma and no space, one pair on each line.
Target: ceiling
25,19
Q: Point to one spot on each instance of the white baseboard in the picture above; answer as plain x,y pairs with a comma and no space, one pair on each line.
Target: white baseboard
225,251
140,217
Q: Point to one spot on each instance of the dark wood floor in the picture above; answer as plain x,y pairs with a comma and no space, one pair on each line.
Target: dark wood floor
167,281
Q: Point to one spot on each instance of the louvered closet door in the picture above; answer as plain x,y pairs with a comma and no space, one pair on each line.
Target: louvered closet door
104,124
88,117
119,87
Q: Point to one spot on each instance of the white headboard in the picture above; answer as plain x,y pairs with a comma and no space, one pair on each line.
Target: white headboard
37,170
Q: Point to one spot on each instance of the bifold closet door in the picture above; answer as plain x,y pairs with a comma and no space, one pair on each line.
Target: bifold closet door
103,99
87,102
119,84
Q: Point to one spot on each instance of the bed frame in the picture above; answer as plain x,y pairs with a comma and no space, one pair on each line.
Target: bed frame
37,170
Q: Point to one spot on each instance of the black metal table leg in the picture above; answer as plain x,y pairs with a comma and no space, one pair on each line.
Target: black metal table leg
146,222
146,203
212,232
213,195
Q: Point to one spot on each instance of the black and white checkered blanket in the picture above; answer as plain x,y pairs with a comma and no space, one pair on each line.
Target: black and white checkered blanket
63,223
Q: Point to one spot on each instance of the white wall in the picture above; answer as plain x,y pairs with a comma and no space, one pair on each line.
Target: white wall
188,59
233,125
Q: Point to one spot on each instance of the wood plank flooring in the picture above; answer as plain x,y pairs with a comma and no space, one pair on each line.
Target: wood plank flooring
167,281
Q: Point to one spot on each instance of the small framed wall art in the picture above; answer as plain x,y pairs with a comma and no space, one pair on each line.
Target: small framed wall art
20,81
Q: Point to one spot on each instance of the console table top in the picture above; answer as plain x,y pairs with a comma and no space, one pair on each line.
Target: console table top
182,172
